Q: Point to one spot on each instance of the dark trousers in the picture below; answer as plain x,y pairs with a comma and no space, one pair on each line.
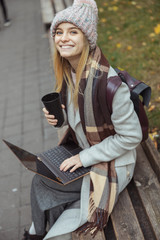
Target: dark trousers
4,10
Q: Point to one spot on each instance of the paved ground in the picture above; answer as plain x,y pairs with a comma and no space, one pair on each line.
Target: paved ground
25,76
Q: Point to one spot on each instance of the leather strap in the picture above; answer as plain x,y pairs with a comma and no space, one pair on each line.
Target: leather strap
112,86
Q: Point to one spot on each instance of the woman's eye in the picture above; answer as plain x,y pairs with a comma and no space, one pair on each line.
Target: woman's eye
58,33
73,32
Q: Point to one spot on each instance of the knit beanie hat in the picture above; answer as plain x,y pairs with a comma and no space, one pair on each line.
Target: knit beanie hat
84,15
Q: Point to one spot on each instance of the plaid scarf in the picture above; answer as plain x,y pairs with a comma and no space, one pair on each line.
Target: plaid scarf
97,125
103,179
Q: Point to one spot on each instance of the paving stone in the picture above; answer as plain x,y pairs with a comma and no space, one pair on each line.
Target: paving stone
10,165
12,111
32,136
25,215
12,217
14,139
33,143
50,144
15,100
26,178
32,116
32,124
12,130
25,196
12,234
50,133
9,200
32,107
11,184
12,120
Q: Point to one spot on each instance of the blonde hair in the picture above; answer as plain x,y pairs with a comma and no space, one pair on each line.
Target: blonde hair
62,70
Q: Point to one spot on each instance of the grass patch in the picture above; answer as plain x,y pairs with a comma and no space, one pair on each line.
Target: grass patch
129,35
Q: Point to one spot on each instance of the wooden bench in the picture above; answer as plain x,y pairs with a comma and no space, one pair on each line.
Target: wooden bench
136,215
47,13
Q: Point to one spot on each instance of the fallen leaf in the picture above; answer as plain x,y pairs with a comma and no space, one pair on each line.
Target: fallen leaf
115,8
151,35
129,48
155,144
117,28
154,130
144,43
158,100
138,7
152,107
121,69
103,20
101,10
153,137
118,45
157,29
138,184
110,37
133,3
110,9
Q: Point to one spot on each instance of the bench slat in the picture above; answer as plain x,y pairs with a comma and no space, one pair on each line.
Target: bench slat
68,3
99,236
153,156
148,189
51,45
58,5
124,220
47,11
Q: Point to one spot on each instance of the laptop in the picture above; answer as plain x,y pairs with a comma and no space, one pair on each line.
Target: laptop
48,162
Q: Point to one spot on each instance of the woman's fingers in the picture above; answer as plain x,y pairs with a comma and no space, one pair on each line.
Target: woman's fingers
73,163
45,111
54,121
74,168
50,118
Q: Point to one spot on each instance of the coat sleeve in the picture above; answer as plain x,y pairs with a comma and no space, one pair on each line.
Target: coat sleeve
127,127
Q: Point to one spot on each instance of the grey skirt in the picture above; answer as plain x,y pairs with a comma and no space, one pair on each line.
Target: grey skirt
49,200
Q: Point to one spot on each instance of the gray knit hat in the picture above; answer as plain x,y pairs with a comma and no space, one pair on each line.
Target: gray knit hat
84,15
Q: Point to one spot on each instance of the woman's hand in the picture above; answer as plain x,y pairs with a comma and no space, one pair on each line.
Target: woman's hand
51,118
72,162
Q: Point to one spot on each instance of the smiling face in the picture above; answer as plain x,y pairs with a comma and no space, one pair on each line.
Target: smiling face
69,41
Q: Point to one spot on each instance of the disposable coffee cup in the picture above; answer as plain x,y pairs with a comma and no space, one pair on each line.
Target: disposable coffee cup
52,103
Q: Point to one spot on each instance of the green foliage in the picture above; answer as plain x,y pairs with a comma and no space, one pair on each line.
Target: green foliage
129,35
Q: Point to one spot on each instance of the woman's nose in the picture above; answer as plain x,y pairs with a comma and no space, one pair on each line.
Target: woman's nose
65,37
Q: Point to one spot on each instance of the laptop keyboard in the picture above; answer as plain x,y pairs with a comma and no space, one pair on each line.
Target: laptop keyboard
58,155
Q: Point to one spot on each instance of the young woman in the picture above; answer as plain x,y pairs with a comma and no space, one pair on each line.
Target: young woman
108,142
